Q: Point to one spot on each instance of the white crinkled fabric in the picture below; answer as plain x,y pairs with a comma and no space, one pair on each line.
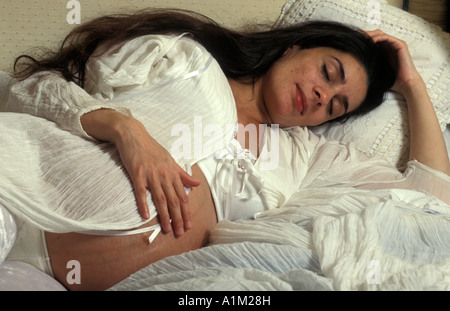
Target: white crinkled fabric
238,267
20,276
322,239
8,232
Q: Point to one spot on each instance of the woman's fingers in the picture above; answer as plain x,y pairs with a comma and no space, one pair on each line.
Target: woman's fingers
187,180
182,196
140,192
173,207
160,201
393,42
401,59
167,186
151,167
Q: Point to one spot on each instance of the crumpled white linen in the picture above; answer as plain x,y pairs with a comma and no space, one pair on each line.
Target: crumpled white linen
8,232
322,239
240,266
364,239
20,276
379,247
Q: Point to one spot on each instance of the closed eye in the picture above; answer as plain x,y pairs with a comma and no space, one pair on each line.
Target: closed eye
330,110
336,101
325,73
327,77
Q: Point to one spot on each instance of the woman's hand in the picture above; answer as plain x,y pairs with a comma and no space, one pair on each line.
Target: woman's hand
407,74
149,166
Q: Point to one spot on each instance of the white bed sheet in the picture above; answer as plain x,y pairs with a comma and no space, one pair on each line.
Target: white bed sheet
323,240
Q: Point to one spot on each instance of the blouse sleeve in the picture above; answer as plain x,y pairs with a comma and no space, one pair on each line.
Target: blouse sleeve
375,175
49,96
124,68
335,164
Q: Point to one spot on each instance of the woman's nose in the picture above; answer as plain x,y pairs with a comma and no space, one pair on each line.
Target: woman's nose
321,96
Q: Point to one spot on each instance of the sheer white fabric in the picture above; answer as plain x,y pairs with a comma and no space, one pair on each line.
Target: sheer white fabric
310,161
8,232
20,276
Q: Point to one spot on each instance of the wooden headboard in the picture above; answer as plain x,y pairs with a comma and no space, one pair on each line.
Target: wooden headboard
434,11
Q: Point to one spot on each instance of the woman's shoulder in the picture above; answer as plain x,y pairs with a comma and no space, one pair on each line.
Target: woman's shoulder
143,61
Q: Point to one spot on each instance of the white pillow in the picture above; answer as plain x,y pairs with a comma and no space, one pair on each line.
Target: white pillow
8,232
20,276
384,132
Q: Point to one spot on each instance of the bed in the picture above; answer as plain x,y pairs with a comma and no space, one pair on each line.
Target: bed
346,240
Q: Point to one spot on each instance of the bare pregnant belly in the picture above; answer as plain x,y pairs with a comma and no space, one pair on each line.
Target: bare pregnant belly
106,260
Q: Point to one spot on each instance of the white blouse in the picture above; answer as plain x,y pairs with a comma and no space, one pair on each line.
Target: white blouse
172,85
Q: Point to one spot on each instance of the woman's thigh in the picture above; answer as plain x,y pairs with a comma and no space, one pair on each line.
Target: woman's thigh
106,260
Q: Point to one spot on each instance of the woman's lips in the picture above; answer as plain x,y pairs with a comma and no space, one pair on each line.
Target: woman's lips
299,101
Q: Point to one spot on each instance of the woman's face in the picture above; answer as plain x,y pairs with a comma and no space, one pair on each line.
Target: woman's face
311,86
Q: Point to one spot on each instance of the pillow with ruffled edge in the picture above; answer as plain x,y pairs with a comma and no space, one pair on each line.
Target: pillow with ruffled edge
384,132
8,232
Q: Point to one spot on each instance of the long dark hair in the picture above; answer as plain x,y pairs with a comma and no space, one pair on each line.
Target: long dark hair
242,55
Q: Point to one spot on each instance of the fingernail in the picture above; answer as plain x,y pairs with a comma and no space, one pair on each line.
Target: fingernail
167,228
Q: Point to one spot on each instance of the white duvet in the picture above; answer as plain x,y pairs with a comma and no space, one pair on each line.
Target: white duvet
321,240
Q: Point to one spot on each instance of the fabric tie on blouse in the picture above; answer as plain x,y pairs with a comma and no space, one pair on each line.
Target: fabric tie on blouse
233,162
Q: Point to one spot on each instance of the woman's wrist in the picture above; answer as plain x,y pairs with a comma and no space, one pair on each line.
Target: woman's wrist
105,124
410,87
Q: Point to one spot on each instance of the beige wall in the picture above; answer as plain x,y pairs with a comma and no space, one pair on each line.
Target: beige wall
28,23
25,24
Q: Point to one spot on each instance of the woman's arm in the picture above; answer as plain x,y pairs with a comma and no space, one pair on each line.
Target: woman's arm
47,95
149,165
427,144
